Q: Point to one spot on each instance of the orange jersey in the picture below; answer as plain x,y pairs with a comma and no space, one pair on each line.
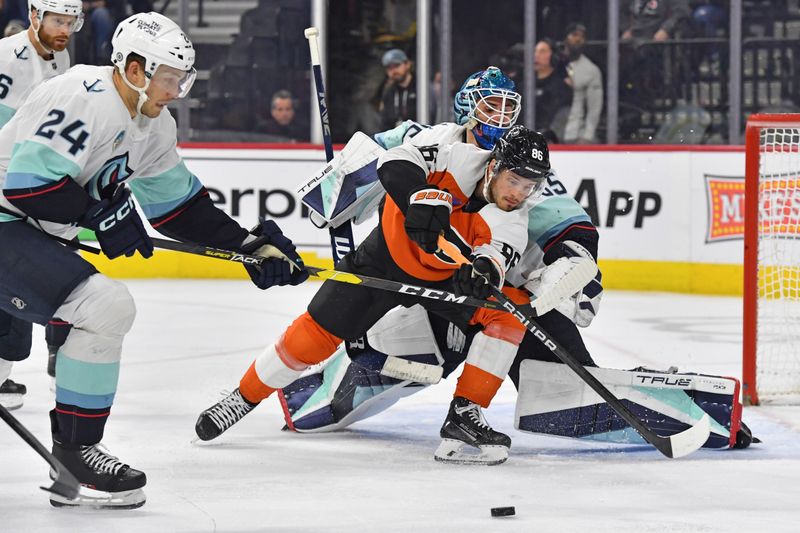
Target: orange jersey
456,168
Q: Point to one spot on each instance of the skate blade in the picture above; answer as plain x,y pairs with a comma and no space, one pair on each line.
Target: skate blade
94,499
452,451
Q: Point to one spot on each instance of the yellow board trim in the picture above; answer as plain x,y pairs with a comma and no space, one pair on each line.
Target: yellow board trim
697,278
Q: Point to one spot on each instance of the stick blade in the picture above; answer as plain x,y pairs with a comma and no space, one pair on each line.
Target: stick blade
65,485
689,440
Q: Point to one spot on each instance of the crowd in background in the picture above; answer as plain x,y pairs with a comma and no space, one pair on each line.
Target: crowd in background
672,86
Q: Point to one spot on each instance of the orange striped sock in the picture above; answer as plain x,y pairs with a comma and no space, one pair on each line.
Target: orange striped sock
252,388
477,385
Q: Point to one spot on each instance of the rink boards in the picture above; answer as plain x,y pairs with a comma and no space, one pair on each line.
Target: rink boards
670,218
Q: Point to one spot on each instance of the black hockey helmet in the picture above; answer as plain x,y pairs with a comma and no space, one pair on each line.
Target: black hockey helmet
524,152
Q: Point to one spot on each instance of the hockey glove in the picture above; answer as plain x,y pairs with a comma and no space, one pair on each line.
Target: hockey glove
428,216
474,279
117,225
286,269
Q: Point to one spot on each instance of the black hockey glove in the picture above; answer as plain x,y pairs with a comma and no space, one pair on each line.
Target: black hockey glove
473,279
117,225
274,270
428,216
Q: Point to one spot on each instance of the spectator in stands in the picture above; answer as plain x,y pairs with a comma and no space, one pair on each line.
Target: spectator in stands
13,27
399,98
281,122
656,20
13,11
93,44
587,85
553,94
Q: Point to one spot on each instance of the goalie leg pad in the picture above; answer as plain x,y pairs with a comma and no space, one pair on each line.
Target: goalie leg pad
554,401
341,393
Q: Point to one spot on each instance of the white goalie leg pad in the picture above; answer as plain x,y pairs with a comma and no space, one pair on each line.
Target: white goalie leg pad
347,187
491,354
9,401
547,388
277,369
406,331
101,311
561,279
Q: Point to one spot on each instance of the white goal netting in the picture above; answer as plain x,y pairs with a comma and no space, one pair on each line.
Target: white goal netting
778,302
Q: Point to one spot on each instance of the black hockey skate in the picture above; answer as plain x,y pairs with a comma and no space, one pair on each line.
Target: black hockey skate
11,394
106,482
215,420
465,424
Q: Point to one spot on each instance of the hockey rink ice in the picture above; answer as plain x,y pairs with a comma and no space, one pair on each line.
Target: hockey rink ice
192,339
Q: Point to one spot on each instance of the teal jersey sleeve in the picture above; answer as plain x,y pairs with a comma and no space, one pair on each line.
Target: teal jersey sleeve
163,193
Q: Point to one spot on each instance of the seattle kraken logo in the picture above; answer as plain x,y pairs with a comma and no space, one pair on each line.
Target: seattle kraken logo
93,87
113,172
19,54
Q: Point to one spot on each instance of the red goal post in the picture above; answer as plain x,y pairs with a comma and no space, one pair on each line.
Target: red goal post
771,324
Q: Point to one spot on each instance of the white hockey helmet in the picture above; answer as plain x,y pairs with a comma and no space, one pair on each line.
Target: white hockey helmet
73,8
160,42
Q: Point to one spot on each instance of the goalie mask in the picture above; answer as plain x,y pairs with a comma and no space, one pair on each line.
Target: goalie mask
525,154
167,51
488,105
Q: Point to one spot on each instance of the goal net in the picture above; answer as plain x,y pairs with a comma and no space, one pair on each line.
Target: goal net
771,371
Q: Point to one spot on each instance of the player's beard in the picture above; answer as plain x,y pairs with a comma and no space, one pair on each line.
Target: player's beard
57,43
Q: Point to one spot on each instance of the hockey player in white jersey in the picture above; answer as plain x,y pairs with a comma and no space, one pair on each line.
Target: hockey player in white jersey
38,53
360,381
473,198
27,59
70,158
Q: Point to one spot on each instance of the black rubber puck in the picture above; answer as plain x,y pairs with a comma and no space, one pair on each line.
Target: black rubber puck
503,511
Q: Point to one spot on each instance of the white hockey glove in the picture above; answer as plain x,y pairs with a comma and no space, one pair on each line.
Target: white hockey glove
560,284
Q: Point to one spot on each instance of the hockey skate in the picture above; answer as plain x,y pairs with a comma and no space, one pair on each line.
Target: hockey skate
465,425
106,482
11,394
215,420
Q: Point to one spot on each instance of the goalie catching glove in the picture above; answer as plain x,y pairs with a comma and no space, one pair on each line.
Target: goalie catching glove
283,265
570,284
474,279
428,216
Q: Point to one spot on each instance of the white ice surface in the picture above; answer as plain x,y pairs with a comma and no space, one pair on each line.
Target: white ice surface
192,339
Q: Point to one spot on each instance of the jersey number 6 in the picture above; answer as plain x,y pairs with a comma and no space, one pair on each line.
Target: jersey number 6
77,142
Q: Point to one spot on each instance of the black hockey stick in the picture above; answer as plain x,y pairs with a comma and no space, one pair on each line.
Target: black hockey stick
341,236
65,483
677,445
325,273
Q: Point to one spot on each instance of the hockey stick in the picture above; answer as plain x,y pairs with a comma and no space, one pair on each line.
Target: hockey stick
341,236
65,483
325,273
677,445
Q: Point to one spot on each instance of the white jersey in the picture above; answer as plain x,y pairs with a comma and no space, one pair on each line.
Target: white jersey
421,135
76,125
22,69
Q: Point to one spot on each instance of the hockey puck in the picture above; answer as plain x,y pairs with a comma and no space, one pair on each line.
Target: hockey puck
503,511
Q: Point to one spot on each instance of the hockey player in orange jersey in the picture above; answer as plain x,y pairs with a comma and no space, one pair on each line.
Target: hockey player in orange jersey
478,200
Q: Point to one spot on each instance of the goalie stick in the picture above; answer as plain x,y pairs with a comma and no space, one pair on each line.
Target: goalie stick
677,445
341,236
65,483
